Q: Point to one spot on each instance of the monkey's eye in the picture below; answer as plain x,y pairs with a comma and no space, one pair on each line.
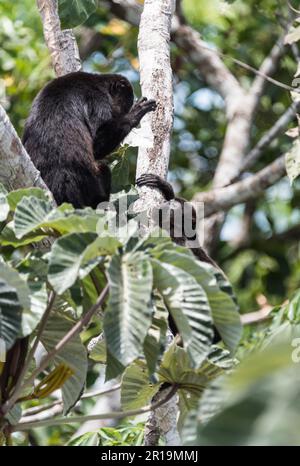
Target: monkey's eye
117,85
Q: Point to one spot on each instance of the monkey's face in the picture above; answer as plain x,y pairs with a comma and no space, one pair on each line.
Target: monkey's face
121,92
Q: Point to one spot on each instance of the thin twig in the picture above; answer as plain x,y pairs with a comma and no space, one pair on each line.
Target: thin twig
221,199
292,8
93,394
266,139
45,361
94,417
257,316
257,72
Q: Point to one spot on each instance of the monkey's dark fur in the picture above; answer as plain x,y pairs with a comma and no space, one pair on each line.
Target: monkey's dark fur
75,121
156,182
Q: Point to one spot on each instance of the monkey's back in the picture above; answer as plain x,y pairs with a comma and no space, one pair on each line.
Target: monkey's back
59,132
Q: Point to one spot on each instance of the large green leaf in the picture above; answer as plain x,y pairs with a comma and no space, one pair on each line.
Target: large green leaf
4,206
292,160
155,340
8,237
74,12
192,383
260,402
128,315
136,389
10,312
210,403
176,368
113,367
120,173
187,302
75,255
32,297
14,197
30,214
73,354
34,213
222,302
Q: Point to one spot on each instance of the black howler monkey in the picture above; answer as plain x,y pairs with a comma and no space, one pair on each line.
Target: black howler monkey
75,121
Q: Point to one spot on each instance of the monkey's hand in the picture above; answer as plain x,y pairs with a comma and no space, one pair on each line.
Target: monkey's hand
139,109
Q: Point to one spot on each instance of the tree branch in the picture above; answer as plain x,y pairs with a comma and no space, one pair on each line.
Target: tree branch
156,83
128,10
268,137
267,68
153,157
16,168
95,417
91,394
208,63
222,199
61,44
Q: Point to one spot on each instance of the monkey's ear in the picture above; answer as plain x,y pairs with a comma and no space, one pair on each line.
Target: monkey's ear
98,113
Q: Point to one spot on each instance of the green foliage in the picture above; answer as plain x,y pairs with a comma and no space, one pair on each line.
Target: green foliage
128,315
74,12
74,354
24,58
189,307
292,160
11,316
257,404
263,407
147,278
125,435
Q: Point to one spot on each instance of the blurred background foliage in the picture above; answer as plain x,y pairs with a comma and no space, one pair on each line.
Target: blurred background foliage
244,30
267,266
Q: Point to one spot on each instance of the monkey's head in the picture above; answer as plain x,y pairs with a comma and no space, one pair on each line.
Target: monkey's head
121,93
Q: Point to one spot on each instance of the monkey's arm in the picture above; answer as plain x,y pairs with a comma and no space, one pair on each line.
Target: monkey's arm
156,182
111,134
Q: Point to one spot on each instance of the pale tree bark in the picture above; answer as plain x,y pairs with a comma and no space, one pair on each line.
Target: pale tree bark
222,199
240,109
154,152
210,65
156,83
16,167
237,138
61,44
277,129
